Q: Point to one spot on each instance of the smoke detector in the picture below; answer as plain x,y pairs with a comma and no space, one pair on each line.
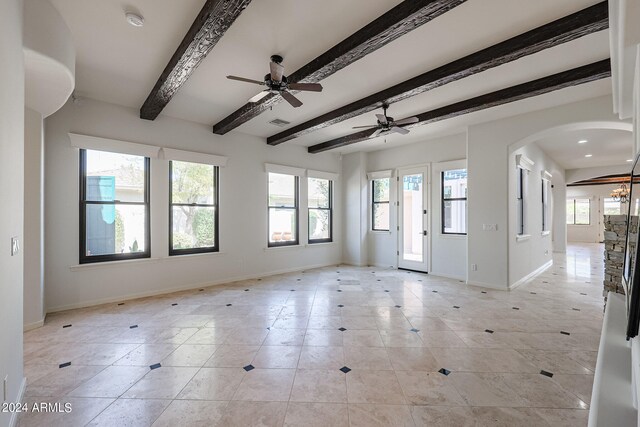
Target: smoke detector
134,19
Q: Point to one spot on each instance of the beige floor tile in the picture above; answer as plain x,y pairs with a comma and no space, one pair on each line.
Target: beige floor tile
280,356
161,383
413,359
557,362
461,359
104,354
367,358
401,338
361,415
539,391
580,385
131,413
210,336
147,354
266,385
253,414
189,355
213,384
374,387
232,356
112,382
62,381
362,338
81,411
429,388
565,417
191,413
443,416
485,389
441,339
323,338
316,415
311,385
507,417
294,337
247,336
321,358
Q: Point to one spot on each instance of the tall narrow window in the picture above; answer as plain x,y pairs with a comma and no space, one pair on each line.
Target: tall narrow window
320,210
520,201
578,211
612,207
545,205
454,201
380,204
193,208
283,209
114,206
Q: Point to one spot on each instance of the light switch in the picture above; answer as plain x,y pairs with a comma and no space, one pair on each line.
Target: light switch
15,246
490,227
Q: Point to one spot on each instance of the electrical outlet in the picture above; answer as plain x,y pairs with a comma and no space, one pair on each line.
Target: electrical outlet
474,267
15,246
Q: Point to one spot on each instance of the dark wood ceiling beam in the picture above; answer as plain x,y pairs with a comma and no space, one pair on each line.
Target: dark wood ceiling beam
210,25
403,18
585,74
571,27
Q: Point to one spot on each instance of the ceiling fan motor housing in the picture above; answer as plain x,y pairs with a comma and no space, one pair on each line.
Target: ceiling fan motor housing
276,86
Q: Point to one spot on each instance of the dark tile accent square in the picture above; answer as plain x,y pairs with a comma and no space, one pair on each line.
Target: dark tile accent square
133,326
293,290
575,309
155,366
582,293
532,293
516,308
419,280
229,305
64,365
338,280
415,330
339,290
342,329
489,331
461,281
378,280
269,328
398,306
175,303
66,326
340,305
246,290
249,368
259,280
298,279
435,292
121,303
565,333
444,371
456,306
386,290
200,290
345,369
483,292
546,374
545,282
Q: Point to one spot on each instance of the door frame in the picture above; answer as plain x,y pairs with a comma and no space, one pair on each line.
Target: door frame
426,222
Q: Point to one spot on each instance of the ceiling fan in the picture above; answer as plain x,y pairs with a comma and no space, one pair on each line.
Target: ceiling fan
277,83
388,124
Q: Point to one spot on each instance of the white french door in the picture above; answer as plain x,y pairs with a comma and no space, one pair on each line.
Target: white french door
413,218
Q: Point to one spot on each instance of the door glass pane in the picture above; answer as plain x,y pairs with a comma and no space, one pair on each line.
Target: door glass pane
193,227
611,207
113,176
412,226
115,229
282,225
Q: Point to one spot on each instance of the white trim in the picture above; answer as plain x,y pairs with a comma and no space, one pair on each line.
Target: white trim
524,162
522,237
531,275
331,176
93,265
286,170
545,233
13,421
283,247
33,325
487,285
191,156
113,145
379,174
546,175
133,296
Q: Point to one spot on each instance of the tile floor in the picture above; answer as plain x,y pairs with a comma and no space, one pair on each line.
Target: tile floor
269,352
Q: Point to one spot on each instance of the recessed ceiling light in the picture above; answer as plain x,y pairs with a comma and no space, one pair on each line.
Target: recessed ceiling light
134,19
629,160
588,155
582,141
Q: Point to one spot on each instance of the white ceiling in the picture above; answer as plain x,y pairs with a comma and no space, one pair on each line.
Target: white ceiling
607,148
120,64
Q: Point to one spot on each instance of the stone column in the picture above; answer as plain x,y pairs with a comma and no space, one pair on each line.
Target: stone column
615,232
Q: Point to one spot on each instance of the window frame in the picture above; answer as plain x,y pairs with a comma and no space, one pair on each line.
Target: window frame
574,211
215,205
330,209
447,199
83,203
545,205
520,197
295,208
374,203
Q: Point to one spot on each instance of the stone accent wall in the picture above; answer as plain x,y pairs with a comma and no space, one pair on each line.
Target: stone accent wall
615,231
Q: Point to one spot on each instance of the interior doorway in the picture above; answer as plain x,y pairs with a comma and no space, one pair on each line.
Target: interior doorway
413,218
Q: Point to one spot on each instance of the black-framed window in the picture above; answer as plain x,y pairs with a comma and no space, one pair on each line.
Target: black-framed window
282,209
320,206
454,201
545,205
520,202
193,208
579,211
114,206
380,204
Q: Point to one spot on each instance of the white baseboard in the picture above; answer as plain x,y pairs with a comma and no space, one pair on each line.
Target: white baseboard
14,416
157,292
34,325
531,275
487,285
448,276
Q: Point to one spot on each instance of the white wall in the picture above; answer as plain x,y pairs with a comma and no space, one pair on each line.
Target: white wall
448,253
243,212
594,232
528,254
355,209
11,194
33,219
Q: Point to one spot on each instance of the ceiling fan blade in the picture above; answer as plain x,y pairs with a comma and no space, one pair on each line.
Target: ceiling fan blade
309,87
259,96
407,121
376,133
242,79
277,70
295,102
364,127
381,118
399,130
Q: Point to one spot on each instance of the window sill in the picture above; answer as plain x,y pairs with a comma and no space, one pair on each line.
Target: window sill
311,245
283,247
380,231
452,236
522,237
94,265
545,233
187,256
